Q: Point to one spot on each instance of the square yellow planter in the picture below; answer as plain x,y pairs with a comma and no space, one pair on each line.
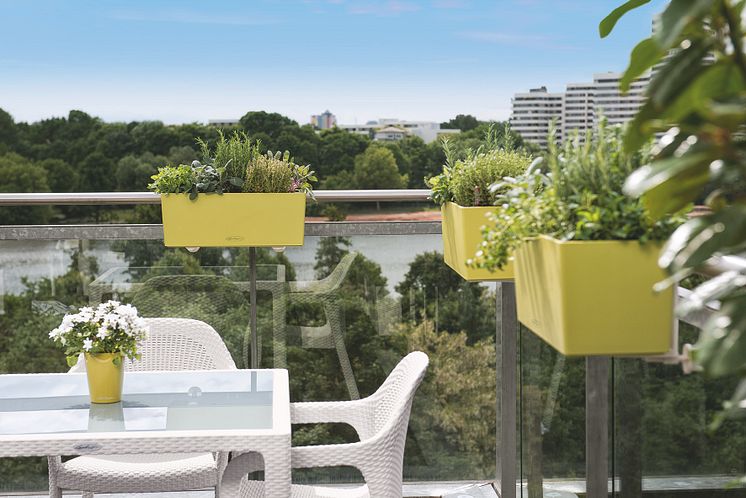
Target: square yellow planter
233,220
595,297
462,237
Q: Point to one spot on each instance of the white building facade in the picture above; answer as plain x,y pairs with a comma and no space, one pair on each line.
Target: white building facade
533,113
618,108
578,109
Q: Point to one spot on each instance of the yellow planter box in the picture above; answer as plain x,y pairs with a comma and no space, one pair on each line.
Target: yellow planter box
594,298
233,220
462,237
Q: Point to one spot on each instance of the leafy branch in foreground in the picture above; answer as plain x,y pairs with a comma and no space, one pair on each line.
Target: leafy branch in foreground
697,97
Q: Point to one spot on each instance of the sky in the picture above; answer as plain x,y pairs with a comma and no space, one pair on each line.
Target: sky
186,60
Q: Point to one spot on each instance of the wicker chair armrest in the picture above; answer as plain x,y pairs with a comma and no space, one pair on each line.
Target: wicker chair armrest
329,455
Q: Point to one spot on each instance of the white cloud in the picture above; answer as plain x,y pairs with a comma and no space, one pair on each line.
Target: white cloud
191,17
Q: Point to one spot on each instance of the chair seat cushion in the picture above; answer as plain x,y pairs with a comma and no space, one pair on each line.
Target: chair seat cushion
139,473
255,489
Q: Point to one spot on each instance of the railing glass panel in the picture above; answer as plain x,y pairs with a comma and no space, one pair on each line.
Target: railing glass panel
338,312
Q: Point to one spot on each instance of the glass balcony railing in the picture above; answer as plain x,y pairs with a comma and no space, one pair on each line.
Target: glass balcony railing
498,405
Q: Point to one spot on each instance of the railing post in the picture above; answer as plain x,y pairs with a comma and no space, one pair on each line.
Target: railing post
252,324
506,371
597,426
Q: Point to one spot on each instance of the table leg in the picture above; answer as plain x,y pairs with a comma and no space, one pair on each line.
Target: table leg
277,471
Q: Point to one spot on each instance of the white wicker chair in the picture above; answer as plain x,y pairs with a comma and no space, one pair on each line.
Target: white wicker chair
172,344
381,423
330,335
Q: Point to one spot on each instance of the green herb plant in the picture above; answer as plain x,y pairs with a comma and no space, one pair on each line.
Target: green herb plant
574,192
467,181
235,164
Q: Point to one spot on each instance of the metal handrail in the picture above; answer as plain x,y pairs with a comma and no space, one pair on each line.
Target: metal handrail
116,198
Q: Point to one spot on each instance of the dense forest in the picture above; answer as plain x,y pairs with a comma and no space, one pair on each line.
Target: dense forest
82,153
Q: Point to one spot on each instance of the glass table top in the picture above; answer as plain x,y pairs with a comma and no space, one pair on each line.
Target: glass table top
151,401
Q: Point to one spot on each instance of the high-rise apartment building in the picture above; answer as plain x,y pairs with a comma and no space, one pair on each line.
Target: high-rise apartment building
324,121
618,107
578,112
578,109
533,113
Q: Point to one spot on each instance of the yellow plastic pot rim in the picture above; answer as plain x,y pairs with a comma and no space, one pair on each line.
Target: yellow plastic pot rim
233,193
595,242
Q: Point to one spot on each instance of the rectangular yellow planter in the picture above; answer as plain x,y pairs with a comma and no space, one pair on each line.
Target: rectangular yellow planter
595,297
462,237
233,220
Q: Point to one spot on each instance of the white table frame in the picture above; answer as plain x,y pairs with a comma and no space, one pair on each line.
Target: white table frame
273,444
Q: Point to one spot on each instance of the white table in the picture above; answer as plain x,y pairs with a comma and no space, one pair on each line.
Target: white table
160,412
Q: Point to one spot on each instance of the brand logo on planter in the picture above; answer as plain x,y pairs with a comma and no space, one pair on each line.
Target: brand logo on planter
234,238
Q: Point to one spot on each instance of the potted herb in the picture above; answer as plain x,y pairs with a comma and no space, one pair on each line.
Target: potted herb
236,196
463,191
105,336
585,254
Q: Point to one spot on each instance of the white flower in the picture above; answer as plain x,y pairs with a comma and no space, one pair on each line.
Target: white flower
102,333
87,344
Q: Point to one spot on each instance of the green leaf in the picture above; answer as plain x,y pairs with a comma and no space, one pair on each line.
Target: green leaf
669,185
608,23
72,360
718,81
678,73
714,289
700,238
676,17
639,129
721,349
644,56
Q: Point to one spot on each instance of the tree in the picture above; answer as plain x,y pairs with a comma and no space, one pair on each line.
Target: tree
271,123
463,122
376,169
337,152
431,290
61,177
97,174
154,136
133,172
18,174
8,132
420,162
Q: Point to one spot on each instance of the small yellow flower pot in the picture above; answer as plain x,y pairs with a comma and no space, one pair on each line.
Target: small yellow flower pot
105,376
595,297
462,238
233,220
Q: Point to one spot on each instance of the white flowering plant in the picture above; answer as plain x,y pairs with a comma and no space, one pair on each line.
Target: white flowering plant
111,327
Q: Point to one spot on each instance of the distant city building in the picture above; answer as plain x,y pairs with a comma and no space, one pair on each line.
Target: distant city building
324,121
390,134
222,123
578,113
618,108
428,131
578,109
533,113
